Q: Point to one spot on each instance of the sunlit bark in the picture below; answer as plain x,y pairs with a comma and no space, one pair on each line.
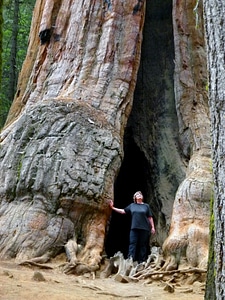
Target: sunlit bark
62,146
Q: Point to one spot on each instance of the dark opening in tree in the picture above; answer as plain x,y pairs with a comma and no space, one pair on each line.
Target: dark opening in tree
133,176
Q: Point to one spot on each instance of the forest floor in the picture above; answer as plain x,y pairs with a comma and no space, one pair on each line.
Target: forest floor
29,282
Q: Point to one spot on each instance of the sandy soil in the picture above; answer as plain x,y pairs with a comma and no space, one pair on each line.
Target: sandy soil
21,282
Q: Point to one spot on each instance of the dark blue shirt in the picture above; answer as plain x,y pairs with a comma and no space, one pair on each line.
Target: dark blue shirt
139,215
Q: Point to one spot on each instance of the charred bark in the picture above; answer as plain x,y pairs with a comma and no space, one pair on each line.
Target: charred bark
167,138
62,147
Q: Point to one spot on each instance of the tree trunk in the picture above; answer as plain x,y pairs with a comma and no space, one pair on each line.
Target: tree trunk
167,138
215,33
189,231
62,146
12,62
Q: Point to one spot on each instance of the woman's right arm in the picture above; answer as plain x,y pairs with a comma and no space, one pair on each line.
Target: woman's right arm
118,210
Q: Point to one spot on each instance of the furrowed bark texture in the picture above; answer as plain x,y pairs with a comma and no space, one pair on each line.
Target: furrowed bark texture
214,12
62,146
189,231
168,133
68,130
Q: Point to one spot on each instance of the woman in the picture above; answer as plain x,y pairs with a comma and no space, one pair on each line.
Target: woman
141,225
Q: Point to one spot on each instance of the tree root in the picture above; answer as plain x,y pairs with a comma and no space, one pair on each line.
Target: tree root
79,269
150,273
38,265
125,270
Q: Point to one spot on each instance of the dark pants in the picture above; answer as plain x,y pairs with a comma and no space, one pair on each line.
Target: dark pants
139,243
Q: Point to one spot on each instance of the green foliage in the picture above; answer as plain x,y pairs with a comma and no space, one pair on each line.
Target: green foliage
25,15
210,283
1,24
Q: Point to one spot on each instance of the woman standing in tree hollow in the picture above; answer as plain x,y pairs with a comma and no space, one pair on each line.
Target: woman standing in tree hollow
142,225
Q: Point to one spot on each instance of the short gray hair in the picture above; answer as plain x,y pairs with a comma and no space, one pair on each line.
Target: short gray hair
138,192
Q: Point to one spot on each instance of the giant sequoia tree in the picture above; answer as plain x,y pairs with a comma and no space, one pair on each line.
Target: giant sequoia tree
66,138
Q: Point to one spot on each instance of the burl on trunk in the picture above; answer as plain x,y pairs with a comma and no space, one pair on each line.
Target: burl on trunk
61,147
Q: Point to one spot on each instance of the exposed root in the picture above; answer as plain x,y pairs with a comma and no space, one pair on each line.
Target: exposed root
32,263
125,270
184,271
71,249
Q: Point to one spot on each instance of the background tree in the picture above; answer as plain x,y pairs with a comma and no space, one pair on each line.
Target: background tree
13,51
1,24
16,27
215,37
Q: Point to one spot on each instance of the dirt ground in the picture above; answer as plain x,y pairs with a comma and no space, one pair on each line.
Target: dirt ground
29,282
